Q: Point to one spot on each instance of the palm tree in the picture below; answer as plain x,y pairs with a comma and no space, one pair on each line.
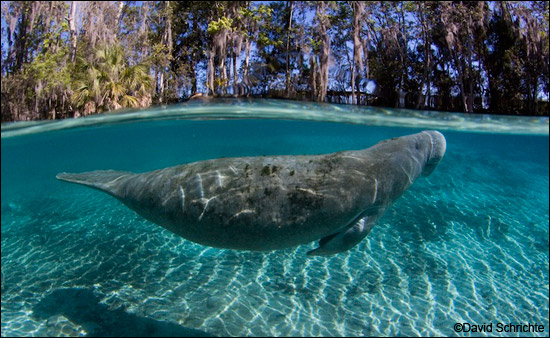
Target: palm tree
109,83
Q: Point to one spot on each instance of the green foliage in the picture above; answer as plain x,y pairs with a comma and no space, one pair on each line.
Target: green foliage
217,26
160,55
264,40
455,52
51,68
108,82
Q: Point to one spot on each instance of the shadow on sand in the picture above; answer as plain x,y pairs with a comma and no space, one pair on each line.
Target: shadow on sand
82,307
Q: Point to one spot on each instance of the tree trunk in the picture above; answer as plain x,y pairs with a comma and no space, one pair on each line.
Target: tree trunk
423,99
193,75
314,70
358,9
169,42
211,56
11,42
143,28
463,89
220,42
167,39
352,70
161,84
403,54
21,42
287,89
223,73
194,62
119,12
234,67
325,51
72,29
366,63
245,70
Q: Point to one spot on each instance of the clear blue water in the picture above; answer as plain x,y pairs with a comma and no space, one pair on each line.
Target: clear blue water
468,244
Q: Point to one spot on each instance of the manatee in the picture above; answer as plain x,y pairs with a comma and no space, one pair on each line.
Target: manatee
275,202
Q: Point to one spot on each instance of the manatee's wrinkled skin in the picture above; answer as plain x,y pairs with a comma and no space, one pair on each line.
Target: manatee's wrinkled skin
275,202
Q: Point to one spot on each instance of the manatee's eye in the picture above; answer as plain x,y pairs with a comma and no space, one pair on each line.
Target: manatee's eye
416,145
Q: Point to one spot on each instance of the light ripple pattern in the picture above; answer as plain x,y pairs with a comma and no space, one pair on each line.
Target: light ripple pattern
468,244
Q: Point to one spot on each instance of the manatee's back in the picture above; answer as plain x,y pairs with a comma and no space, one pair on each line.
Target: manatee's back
256,203
253,203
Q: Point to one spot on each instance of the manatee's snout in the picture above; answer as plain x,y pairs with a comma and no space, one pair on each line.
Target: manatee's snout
436,150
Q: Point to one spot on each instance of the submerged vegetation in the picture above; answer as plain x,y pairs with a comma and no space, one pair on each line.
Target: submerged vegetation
69,59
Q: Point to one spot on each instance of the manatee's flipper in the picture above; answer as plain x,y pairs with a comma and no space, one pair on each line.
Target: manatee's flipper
343,240
108,181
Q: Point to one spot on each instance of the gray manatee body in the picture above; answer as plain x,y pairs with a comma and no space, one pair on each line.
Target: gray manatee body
275,202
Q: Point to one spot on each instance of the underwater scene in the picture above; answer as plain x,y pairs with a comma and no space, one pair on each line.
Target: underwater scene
464,247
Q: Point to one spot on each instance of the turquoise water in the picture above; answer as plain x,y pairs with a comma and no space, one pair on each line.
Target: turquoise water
468,244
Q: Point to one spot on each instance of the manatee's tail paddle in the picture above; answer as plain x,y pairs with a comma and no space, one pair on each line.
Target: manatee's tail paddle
104,180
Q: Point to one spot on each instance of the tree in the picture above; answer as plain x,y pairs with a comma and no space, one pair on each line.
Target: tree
357,68
469,56
463,23
323,24
425,22
72,27
109,83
